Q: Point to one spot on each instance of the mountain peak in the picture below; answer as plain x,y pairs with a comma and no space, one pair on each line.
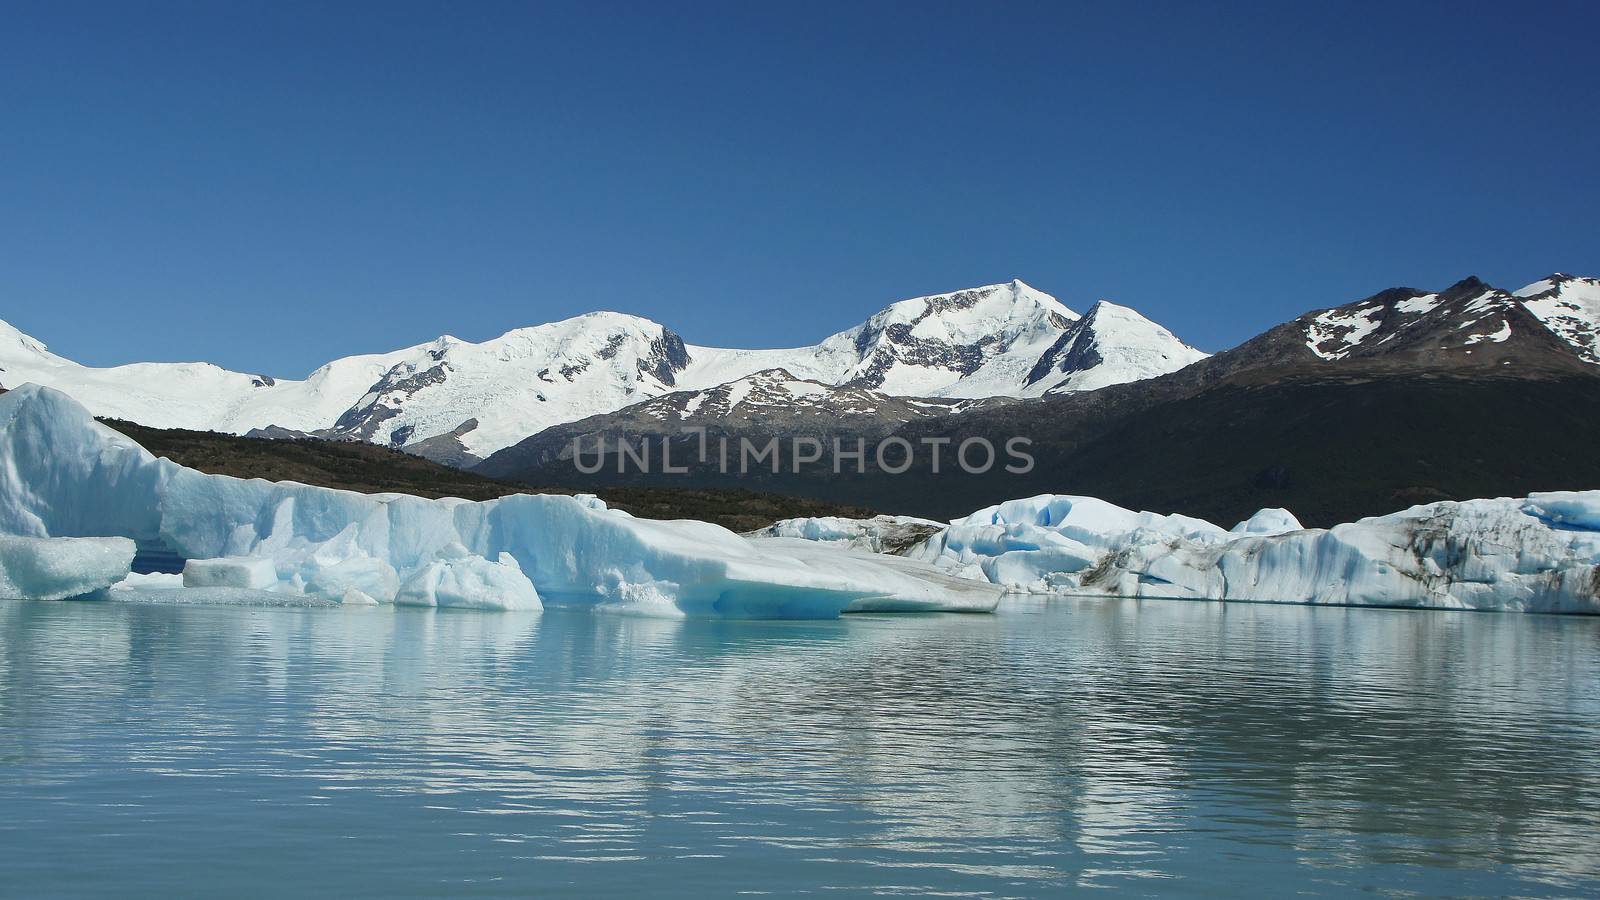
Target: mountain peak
1471,284
1110,309
1110,344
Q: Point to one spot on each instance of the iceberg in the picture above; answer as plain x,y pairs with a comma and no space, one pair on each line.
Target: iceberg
1536,554
51,568
879,534
62,474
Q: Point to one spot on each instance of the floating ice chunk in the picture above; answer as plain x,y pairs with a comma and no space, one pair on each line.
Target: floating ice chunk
1273,520
152,581
57,568
251,573
459,579
356,597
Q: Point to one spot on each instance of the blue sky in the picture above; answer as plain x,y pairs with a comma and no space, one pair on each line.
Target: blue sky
270,185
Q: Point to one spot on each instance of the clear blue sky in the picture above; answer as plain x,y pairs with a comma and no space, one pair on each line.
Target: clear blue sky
270,185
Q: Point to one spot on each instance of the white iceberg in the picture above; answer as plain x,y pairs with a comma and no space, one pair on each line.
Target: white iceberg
64,475
46,568
1538,554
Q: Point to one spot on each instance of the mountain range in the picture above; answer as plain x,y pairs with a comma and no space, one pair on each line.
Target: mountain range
1402,397
459,401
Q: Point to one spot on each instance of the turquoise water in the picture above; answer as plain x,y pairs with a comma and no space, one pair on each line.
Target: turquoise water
1157,747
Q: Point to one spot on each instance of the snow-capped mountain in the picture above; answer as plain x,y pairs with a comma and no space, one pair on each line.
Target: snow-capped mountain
457,400
198,396
517,384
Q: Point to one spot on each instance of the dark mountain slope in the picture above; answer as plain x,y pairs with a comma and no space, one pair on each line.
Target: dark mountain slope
1330,450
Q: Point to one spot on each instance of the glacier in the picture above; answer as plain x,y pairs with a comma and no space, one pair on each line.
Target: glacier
1540,553
62,474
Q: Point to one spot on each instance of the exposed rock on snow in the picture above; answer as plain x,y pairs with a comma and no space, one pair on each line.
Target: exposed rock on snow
63,474
1539,554
42,568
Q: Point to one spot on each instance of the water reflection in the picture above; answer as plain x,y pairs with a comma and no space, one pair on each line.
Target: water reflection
1060,743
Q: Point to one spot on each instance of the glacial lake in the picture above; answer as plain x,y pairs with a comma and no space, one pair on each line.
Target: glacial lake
1160,747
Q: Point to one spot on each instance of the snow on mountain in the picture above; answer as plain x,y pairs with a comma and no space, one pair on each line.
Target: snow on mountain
1468,313
199,396
1560,314
1111,344
469,399
1570,307
760,393
979,342
765,404
459,400
773,397
519,383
